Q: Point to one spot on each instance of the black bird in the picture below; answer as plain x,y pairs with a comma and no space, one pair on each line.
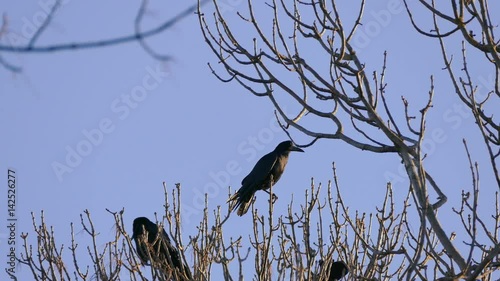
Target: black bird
338,270
157,246
267,171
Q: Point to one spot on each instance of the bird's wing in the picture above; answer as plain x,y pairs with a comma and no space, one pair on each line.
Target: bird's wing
261,170
175,256
141,248
170,250
165,235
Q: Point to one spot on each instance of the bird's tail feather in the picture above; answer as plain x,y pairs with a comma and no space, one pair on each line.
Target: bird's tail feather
241,200
244,208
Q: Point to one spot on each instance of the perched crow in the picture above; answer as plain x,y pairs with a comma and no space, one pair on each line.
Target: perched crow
157,246
267,171
338,269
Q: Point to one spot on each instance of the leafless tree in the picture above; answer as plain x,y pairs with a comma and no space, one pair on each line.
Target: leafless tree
18,43
284,247
304,59
277,58
477,24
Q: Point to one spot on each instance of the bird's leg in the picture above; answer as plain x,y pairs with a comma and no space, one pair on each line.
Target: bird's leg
271,183
275,197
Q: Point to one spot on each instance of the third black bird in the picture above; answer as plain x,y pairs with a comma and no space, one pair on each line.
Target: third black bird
338,269
267,171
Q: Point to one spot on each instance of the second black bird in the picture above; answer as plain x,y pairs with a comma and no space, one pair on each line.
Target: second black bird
158,246
265,173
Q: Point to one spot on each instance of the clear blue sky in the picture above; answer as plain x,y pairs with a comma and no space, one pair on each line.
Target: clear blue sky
140,122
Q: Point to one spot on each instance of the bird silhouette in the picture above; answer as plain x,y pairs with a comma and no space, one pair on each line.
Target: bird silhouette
158,246
266,172
338,269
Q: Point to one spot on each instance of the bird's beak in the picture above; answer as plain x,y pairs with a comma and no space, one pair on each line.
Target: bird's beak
294,148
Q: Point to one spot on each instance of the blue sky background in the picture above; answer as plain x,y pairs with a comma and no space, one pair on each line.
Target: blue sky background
188,126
